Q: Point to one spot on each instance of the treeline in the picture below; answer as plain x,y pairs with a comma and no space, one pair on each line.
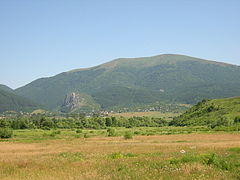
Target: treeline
212,123
43,122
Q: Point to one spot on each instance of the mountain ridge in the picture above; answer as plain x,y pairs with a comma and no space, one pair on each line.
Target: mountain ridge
118,60
131,81
6,88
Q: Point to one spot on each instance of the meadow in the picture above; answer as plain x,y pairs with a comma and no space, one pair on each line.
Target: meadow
146,153
155,114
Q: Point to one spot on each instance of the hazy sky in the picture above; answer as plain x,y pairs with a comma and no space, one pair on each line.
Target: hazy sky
45,37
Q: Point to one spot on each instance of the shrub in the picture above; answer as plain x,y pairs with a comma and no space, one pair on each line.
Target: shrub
57,132
86,135
111,132
46,128
137,132
128,135
218,162
237,119
78,131
54,133
108,121
222,121
118,155
128,126
6,133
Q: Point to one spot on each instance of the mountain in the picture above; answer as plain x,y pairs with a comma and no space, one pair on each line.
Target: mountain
5,88
211,112
12,102
129,82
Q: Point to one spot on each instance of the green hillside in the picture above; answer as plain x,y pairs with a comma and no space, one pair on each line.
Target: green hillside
211,112
5,88
129,81
12,102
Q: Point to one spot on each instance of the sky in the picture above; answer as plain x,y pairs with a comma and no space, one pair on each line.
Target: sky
46,37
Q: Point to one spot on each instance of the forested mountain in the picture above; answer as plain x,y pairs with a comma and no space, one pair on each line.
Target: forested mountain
126,82
12,102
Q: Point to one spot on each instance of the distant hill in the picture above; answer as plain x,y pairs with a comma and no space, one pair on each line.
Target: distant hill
5,88
129,82
12,102
211,112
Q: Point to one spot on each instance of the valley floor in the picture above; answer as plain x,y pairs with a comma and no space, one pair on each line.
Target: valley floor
181,156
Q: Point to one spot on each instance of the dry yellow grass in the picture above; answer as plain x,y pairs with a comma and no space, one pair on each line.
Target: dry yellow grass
156,114
89,158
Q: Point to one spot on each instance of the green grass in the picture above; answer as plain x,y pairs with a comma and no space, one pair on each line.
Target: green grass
39,135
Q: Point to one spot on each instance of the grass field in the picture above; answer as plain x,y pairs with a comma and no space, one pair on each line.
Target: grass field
163,153
156,114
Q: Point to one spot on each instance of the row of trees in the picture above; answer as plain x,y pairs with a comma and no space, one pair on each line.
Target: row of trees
194,121
42,122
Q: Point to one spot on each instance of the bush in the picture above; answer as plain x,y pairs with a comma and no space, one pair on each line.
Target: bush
217,161
137,132
6,133
111,132
46,128
222,121
128,135
54,133
119,155
108,121
57,132
86,135
79,131
237,119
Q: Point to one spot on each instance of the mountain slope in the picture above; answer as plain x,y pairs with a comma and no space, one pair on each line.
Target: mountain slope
130,81
5,88
12,102
211,112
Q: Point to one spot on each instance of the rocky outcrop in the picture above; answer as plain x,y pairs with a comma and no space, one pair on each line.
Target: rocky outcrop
74,102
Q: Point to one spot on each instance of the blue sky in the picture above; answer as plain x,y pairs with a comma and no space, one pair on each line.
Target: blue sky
43,38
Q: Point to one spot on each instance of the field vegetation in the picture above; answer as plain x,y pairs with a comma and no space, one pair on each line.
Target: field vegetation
202,143
135,153
155,114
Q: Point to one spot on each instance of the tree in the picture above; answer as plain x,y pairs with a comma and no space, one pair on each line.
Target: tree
237,119
47,123
114,121
6,133
108,121
4,123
